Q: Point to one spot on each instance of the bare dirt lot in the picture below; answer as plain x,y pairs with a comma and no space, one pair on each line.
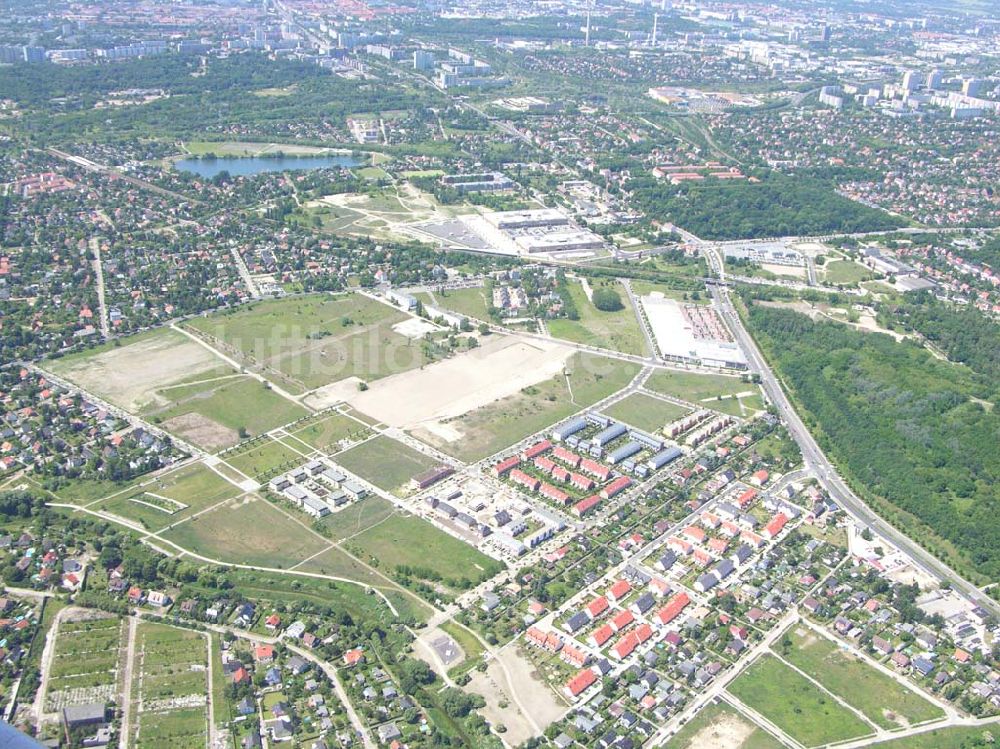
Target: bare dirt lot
202,431
502,366
728,732
130,375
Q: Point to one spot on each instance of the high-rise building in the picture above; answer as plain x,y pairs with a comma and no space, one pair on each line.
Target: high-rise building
910,81
33,54
825,33
934,79
972,86
423,60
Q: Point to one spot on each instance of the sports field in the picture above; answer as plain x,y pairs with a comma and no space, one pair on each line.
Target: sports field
170,707
247,531
490,428
795,704
721,726
645,412
879,696
618,330
386,463
310,341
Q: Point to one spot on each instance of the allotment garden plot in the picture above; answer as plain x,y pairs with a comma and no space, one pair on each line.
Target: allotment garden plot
169,688
85,662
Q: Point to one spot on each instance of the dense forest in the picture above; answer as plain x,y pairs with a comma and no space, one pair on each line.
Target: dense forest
906,428
963,334
778,206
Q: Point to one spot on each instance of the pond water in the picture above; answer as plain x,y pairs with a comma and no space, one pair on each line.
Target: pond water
241,167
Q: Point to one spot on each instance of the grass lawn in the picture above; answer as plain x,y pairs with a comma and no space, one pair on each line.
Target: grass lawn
472,302
307,342
795,704
645,411
881,698
195,486
491,428
618,330
233,403
357,517
386,463
325,431
845,271
472,648
700,389
430,554
958,737
722,725
83,491
264,458
250,531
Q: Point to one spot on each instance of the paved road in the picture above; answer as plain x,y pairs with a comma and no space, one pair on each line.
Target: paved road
817,461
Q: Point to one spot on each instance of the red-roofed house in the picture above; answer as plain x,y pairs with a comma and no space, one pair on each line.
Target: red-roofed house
585,506
601,635
772,529
596,607
622,620
523,479
354,657
566,456
263,653
556,495
580,683
581,482
694,534
504,466
673,608
619,590
536,449
598,470
760,478
617,486
746,498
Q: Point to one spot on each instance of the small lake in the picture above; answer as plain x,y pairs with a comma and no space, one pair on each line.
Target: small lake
242,167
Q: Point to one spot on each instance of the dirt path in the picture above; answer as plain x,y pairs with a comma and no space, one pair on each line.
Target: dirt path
126,702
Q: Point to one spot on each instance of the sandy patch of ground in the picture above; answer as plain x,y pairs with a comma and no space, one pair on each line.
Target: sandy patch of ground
414,328
729,732
499,710
793,271
538,699
502,367
130,376
202,431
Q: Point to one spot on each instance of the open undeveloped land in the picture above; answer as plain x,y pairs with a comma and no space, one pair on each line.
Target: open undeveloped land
479,404
618,330
645,411
129,375
386,463
796,705
307,342
720,726
882,698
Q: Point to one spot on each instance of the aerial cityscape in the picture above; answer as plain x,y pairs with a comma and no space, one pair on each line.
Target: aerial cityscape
544,374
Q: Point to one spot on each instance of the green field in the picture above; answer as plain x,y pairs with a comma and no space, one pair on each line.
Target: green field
619,331
708,391
86,654
264,458
845,271
386,463
959,737
713,722
323,432
250,531
491,428
430,554
644,288
232,403
170,664
470,302
645,411
195,486
357,517
880,697
307,342
795,705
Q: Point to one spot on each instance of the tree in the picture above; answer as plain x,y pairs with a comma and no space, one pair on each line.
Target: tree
607,300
